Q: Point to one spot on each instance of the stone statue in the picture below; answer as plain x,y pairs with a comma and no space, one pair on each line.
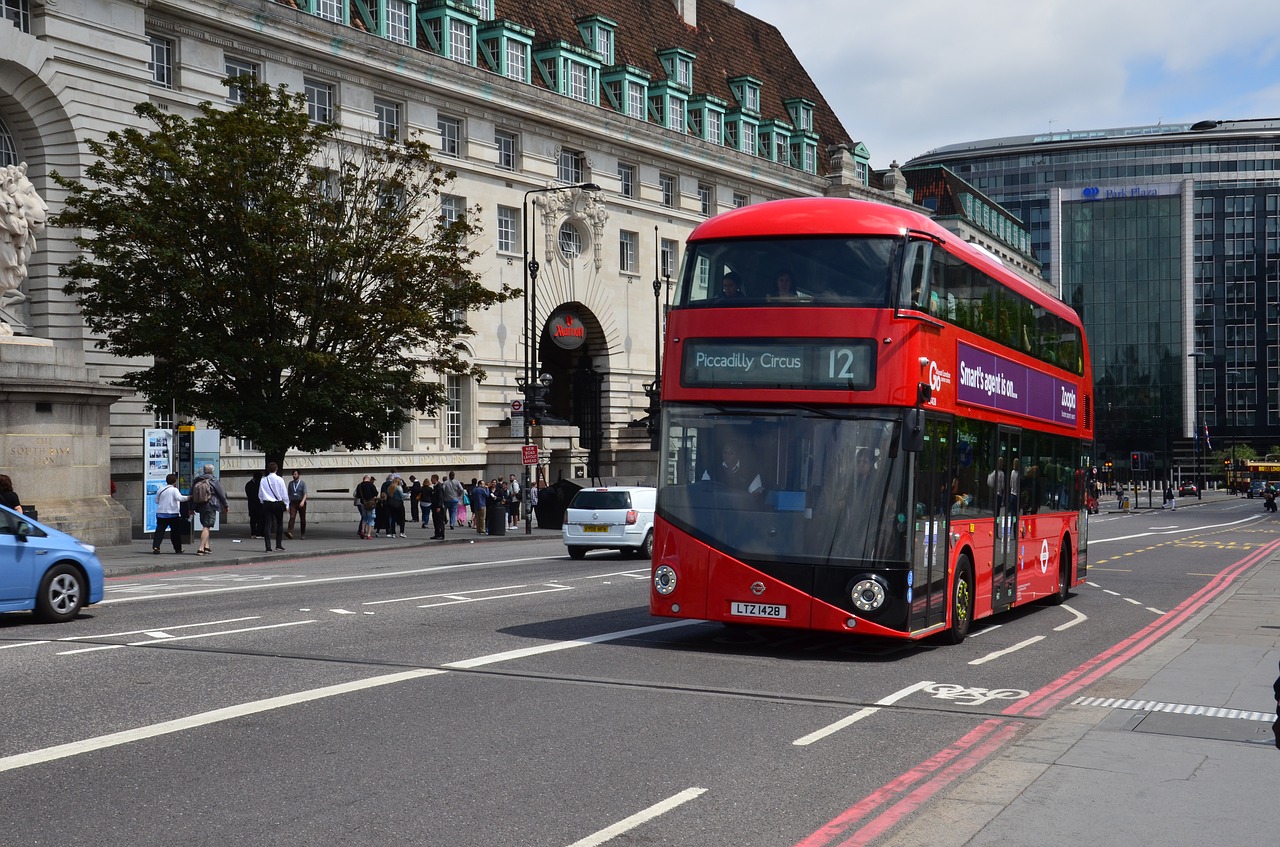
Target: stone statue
22,215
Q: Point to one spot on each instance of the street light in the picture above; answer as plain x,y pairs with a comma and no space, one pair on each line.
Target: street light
653,390
1195,423
1233,422
533,393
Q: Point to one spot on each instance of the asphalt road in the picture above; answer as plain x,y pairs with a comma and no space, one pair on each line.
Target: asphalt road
504,695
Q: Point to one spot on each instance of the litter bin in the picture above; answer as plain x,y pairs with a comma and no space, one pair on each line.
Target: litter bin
552,501
497,519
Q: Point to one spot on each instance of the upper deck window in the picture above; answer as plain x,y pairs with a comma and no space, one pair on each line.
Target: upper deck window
836,271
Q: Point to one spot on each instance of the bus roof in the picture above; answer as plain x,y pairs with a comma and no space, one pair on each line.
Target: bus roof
819,216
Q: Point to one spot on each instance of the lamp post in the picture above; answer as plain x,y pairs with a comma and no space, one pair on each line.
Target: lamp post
534,393
653,390
1195,423
1232,423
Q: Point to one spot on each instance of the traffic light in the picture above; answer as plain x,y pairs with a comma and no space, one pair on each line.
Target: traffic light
1136,461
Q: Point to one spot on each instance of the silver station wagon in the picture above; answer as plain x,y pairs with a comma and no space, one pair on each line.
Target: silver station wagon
616,518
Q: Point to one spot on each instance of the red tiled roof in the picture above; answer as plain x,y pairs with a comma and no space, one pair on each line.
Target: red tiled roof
727,43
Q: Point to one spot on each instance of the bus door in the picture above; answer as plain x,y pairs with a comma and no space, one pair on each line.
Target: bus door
929,548
1006,482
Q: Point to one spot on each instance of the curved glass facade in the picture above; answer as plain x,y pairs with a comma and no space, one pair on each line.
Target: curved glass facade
1166,239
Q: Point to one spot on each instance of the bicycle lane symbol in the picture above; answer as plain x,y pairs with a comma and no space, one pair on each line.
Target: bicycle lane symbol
955,693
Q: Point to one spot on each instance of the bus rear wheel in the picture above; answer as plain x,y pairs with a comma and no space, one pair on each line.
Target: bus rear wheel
1064,577
961,602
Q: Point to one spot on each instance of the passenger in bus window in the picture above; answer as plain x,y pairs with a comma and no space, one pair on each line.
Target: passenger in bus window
730,288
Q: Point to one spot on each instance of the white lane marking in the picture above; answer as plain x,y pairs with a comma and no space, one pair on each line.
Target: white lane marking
898,695
819,734
127,736
457,600
1080,617
161,628
639,574
985,630
1131,600
628,824
223,632
1154,609
508,655
97,649
439,594
22,644
226,589
1006,651
1093,541
342,612
159,634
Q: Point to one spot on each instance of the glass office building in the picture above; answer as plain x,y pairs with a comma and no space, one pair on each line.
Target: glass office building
1166,239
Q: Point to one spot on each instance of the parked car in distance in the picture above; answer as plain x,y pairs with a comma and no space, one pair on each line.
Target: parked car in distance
45,571
1257,487
615,518
1187,489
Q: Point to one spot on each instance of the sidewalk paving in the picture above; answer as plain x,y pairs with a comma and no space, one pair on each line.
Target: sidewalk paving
232,545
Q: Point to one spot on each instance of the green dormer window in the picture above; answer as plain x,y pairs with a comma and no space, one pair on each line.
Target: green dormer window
775,141
801,112
668,105
505,48
804,151
570,71
706,118
627,90
390,19
450,27
679,67
598,35
747,90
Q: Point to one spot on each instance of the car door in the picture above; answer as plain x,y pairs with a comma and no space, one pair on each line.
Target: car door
16,558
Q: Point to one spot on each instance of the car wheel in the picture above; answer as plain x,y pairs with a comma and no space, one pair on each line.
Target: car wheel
577,552
62,593
961,602
646,549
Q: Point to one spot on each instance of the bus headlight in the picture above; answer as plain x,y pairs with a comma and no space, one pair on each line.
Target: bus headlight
664,579
868,594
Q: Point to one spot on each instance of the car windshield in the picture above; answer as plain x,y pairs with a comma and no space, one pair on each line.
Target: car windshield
600,500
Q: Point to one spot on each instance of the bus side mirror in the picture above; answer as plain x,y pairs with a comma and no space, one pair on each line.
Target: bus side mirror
913,431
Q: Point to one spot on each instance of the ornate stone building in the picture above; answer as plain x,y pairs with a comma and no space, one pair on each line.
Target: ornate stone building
676,109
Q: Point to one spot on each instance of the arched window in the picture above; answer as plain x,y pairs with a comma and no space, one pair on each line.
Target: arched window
8,149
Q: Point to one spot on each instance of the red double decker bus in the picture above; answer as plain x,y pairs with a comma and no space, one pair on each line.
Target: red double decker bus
868,426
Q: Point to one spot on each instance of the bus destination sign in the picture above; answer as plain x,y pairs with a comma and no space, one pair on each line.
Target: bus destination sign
797,363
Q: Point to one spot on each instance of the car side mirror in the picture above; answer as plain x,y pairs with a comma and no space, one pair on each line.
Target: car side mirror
24,529
913,431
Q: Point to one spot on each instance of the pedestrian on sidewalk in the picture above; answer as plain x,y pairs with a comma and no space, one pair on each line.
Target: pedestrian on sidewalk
1275,727
453,492
169,502
207,506
395,508
256,514
479,505
513,502
366,497
297,505
8,496
438,514
274,497
415,496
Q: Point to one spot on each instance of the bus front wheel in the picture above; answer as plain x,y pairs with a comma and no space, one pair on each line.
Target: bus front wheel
961,602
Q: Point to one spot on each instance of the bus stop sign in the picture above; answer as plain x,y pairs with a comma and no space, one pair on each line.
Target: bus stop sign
529,454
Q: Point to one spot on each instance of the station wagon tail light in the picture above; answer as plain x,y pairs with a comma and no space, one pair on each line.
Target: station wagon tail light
632,517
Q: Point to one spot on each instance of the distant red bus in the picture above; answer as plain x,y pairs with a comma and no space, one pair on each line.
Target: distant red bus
868,426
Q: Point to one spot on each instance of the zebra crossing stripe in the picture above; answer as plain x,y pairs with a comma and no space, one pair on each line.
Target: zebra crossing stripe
1174,708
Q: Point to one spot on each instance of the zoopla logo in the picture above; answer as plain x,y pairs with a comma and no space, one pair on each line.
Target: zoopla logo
1090,193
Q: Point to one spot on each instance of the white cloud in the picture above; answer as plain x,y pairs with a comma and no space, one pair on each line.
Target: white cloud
906,76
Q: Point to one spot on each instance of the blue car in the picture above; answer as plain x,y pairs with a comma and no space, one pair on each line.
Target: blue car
44,570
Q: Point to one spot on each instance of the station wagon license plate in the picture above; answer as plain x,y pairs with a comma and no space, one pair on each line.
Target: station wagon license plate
758,610
595,527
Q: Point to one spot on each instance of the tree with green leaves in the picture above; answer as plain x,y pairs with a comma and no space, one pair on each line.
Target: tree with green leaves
272,276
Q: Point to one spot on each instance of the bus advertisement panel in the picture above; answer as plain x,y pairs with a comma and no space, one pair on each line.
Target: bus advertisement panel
868,426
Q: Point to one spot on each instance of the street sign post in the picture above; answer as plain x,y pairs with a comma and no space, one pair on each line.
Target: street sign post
529,454
517,419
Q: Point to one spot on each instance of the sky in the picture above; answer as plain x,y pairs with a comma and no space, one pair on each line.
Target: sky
908,76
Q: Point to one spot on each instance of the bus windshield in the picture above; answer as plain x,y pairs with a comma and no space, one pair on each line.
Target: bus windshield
830,270
819,486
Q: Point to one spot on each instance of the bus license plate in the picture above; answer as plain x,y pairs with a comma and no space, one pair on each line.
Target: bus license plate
758,610
595,527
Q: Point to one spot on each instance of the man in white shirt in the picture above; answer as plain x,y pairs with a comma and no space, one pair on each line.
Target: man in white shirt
275,498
